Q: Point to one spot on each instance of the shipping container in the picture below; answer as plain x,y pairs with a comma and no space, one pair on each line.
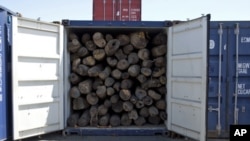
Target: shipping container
228,76
117,10
41,101
5,43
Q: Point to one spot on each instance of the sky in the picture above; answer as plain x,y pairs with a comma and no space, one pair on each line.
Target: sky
152,10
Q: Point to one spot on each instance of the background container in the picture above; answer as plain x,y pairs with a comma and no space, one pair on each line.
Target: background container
229,88
5,44
117,10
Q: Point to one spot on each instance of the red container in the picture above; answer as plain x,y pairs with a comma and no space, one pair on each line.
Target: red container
117,10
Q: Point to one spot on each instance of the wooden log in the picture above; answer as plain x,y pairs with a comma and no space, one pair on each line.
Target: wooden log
111,47
160,39
146,71
125,75
82,52
72,36
93,110
97,82
127,106
163,115
122,64
117,107
89,60
90,45
160,61
114,99
154,95
105,73
99,39
95,70
140,121
161,104
151,83
133,115
125,94
153,111
107,103
116,73
117,86
94,121
85,86
74,45
80,104
163,80
139,104
110,91
82,70
85,37
134,70
92,98
138,40
115,120
140,93
75,64
159,50
84,119
108,37
133,58
133,99
141,78
143,54
74,92
147,63
155,120
147,100
157,72
124,39
126,84
102,110
109,81
120,55
162,90
99,54
104,120
73,119
74,78
125,121
73,56
144,112
111,61
128,49
101,91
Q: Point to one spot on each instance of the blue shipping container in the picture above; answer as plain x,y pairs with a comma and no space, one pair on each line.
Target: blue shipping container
229,76
4,72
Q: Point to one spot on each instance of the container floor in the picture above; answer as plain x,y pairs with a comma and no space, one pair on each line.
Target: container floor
57,136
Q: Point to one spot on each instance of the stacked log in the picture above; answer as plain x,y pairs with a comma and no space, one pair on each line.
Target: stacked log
117,80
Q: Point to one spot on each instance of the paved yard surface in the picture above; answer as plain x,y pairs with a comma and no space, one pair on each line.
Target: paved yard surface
57,136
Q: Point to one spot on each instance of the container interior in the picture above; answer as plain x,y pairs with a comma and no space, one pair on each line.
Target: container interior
150,32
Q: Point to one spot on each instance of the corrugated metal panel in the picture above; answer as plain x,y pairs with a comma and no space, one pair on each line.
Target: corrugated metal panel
117,10
37,72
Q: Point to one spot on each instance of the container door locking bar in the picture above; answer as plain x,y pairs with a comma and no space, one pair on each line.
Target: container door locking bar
236,110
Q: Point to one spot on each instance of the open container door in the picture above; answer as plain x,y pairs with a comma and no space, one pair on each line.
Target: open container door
187,78
37,77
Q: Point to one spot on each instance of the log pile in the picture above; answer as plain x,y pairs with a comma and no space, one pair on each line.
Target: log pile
117,80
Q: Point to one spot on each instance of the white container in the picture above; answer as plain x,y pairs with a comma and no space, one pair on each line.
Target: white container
40,70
